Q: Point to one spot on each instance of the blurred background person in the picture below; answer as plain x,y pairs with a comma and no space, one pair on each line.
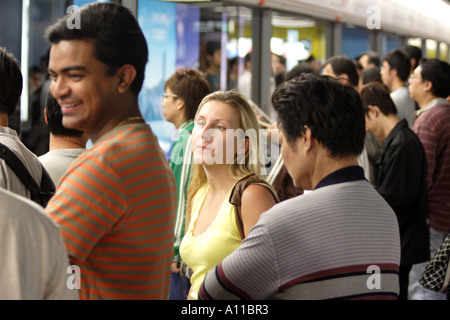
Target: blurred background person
400,181
184,90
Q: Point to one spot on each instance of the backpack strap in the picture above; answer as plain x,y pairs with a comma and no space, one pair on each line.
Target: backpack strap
236,197
19,169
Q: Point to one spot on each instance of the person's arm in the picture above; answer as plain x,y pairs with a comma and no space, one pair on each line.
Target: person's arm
256,200
429,137
250,272
401,176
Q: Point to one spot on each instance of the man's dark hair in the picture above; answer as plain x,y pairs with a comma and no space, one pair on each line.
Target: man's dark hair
332,111
412,52
377,94
301,67
212,46
11,82
190,85
54,119
370,74
344,65
118,39
373,58
398,60
438,73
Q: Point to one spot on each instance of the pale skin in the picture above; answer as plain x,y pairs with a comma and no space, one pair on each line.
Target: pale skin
255,199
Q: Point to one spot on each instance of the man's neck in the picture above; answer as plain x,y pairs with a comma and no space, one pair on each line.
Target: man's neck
326,165
4,119
57,142
397,84
425,101
388,124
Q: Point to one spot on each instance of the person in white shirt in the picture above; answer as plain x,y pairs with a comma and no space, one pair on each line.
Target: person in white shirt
10,91
394,74
65,144
34,263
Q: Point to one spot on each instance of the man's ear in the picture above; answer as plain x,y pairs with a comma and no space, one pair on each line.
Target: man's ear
307,138
45,115
374,111
180,103
394,72
428,85
126,74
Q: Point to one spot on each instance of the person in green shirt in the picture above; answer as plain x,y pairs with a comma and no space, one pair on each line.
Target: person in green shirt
183,92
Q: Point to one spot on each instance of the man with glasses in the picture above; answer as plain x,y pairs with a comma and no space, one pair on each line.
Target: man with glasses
429,86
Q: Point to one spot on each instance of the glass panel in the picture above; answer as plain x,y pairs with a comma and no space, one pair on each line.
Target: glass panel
355,40
392,42
443,51
296,39
431,48
205,36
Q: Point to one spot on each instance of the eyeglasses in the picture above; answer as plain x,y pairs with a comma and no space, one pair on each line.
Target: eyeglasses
166,95
413,77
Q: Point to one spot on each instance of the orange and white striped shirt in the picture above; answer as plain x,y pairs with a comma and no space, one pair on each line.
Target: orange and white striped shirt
116,208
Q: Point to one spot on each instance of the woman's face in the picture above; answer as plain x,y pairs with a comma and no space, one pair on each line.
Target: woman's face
214,134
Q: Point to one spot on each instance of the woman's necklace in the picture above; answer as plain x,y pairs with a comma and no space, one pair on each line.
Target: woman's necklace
128,120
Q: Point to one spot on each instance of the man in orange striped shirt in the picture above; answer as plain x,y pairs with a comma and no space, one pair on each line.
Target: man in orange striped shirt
116,204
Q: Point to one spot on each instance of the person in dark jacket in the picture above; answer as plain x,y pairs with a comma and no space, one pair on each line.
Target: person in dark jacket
400,176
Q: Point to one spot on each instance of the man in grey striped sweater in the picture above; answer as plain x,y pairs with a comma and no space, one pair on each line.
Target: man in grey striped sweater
338,241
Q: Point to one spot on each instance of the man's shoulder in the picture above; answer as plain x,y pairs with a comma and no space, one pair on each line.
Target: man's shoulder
401,95
25,212
435,115
327,197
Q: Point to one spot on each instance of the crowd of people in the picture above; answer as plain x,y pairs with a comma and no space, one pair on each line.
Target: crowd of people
364,150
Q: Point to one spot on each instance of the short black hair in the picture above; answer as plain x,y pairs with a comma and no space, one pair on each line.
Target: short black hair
118,39
11,82
331,110
438,73
412,52
54,119
370,74
398,60
344,65
373,58
301,67
212,46
377,94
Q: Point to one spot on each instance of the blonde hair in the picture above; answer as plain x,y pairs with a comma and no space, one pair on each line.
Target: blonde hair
239,169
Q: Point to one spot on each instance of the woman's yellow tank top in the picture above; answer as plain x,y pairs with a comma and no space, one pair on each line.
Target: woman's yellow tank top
204,252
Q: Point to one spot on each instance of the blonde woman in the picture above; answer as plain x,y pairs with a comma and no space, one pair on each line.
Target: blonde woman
225,148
